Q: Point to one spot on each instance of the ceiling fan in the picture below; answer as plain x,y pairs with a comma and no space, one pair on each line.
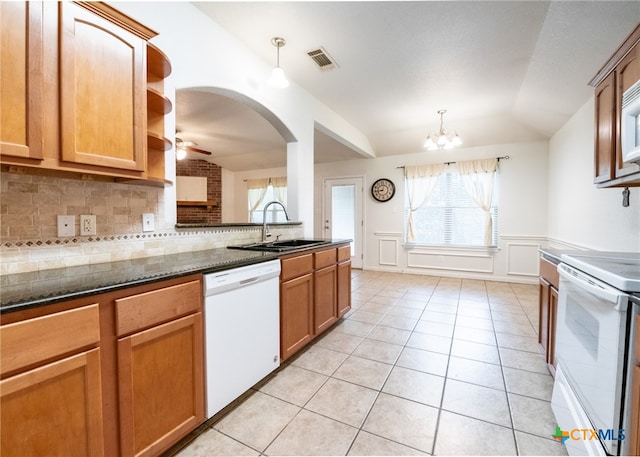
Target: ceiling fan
182,147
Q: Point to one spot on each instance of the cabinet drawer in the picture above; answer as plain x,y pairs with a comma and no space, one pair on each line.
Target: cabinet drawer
151,308
36,340
549,271
344,253
296,266
325,258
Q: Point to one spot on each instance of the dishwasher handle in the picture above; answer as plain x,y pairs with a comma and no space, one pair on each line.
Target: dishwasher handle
244,282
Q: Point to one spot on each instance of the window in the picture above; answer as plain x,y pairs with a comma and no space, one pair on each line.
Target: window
452,206
262,191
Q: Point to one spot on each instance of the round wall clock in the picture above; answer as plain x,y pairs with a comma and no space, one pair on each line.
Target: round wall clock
383,190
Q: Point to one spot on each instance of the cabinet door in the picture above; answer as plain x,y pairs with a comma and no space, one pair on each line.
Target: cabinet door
161,378
21,79
605,129
102,91
326,298
627,74
553,312
55,409
344,288
543,321
296,314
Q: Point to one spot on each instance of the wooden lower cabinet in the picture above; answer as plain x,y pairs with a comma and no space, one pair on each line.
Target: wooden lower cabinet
161,392
548,310
344,280
553,313
315,291
296,314
119,373
160,364
326,298
51,387
54,410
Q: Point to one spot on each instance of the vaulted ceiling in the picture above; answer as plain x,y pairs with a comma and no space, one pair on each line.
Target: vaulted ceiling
506,71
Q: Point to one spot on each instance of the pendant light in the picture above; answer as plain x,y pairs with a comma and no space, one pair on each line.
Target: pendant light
441,140
278,79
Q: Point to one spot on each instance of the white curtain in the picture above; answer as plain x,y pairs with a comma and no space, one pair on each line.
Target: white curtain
420,180
280,189
256,190
478,177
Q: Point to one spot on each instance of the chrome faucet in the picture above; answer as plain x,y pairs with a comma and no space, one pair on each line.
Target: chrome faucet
265,228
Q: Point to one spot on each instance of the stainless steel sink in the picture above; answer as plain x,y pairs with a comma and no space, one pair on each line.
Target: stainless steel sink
280,246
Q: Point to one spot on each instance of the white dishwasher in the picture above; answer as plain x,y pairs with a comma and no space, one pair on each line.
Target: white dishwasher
242,330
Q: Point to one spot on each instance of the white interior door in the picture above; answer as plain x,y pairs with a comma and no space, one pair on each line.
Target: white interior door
342,215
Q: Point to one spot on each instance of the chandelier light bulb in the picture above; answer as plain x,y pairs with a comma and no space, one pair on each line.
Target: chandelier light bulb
180,153
441,140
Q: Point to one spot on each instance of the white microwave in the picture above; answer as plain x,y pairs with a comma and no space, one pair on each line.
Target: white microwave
630,124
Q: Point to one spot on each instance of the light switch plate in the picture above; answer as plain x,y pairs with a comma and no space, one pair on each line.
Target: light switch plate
148,222
66,226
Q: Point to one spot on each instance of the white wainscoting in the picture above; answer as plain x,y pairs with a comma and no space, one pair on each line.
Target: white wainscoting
516,259
523,259
450,261
388,248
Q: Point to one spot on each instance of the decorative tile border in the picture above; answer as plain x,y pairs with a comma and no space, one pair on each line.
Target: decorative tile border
45,254
134,236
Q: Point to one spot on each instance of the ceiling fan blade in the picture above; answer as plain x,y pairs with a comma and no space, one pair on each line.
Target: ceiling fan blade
198,150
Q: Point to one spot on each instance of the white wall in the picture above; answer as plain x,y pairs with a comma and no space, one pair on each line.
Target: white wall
580,214
523,214
546,189
203,55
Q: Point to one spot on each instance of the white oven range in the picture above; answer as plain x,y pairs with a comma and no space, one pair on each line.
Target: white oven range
593,337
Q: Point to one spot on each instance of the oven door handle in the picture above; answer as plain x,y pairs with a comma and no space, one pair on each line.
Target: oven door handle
592,285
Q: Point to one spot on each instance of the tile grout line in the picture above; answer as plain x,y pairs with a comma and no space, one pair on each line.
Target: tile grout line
446,376
364,336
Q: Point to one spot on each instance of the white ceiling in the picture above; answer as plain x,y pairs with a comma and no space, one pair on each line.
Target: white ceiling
506,71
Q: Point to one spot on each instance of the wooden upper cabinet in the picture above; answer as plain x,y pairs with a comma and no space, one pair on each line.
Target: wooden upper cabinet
21,81
605,129
102,91
627,74
619,73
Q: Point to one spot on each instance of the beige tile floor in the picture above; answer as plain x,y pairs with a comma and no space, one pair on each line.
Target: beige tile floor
420,365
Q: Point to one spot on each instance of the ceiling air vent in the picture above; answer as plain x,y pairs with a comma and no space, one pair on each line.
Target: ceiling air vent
322,59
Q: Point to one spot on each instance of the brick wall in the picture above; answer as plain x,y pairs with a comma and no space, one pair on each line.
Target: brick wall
213,173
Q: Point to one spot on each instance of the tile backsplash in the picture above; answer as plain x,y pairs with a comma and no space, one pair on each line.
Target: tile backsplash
29,205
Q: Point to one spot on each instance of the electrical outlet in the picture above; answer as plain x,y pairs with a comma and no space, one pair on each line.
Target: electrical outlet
87,224
66,226
148,223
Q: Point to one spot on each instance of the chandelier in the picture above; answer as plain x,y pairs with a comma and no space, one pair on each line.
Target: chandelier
441,140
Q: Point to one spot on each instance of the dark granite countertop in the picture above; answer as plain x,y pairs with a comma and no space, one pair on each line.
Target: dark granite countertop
38,288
